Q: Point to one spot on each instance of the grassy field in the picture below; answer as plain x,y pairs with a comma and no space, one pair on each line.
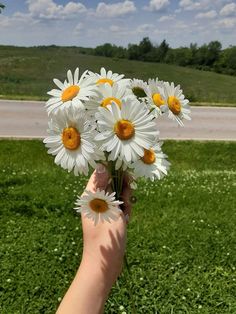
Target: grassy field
181,240
27,73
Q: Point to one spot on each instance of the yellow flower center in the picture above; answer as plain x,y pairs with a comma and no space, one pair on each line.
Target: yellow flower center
174,104
109,100
105,80
98,205
148,157
70,92
124,129
71,138
158,100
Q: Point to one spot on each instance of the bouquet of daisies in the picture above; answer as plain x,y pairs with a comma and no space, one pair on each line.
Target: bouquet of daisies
107,119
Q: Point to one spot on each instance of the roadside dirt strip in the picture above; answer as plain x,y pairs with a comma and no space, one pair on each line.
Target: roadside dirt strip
28,119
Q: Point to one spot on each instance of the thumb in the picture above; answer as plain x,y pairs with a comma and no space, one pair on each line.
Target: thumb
101,178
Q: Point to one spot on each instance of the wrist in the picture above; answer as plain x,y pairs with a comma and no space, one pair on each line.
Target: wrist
101,267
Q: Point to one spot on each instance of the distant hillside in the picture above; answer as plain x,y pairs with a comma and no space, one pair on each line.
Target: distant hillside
28,73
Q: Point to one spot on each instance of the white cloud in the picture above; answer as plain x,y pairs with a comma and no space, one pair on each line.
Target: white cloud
207,15
180,25
18,19
157,5
79,28
227,23
178,10
48,9
74,8
165,18
228,10
5,21
115,28
144,28
115,9
190,5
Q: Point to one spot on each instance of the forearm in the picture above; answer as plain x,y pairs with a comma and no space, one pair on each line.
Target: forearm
100,266
88,291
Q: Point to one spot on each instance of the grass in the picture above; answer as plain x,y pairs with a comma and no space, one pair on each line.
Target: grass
28,72
181,240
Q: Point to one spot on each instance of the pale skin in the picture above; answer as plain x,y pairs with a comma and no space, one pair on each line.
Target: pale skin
102,258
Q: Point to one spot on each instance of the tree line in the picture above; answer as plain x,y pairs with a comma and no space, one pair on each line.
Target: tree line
209,57
2,6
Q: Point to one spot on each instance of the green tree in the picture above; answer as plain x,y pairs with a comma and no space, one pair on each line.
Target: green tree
134,52
200,57
193,49
181,56
145,46
162,50
227,62
2,6
213,52
105,50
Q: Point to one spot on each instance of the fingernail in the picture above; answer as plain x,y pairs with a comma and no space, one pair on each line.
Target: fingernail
100,168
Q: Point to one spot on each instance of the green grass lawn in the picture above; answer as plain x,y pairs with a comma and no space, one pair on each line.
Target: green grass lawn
27,73
181,239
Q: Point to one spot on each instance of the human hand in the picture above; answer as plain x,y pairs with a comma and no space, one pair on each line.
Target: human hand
106,242
103,253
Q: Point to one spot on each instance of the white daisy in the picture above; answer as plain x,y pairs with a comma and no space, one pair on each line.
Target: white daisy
126,131
152,165
107,77
177,106
99,206
138,88
71,140
155,96
70,93
106,95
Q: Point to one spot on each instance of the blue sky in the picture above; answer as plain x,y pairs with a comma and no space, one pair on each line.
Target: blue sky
90,23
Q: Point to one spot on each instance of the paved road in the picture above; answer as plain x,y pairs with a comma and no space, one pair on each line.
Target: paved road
28,119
